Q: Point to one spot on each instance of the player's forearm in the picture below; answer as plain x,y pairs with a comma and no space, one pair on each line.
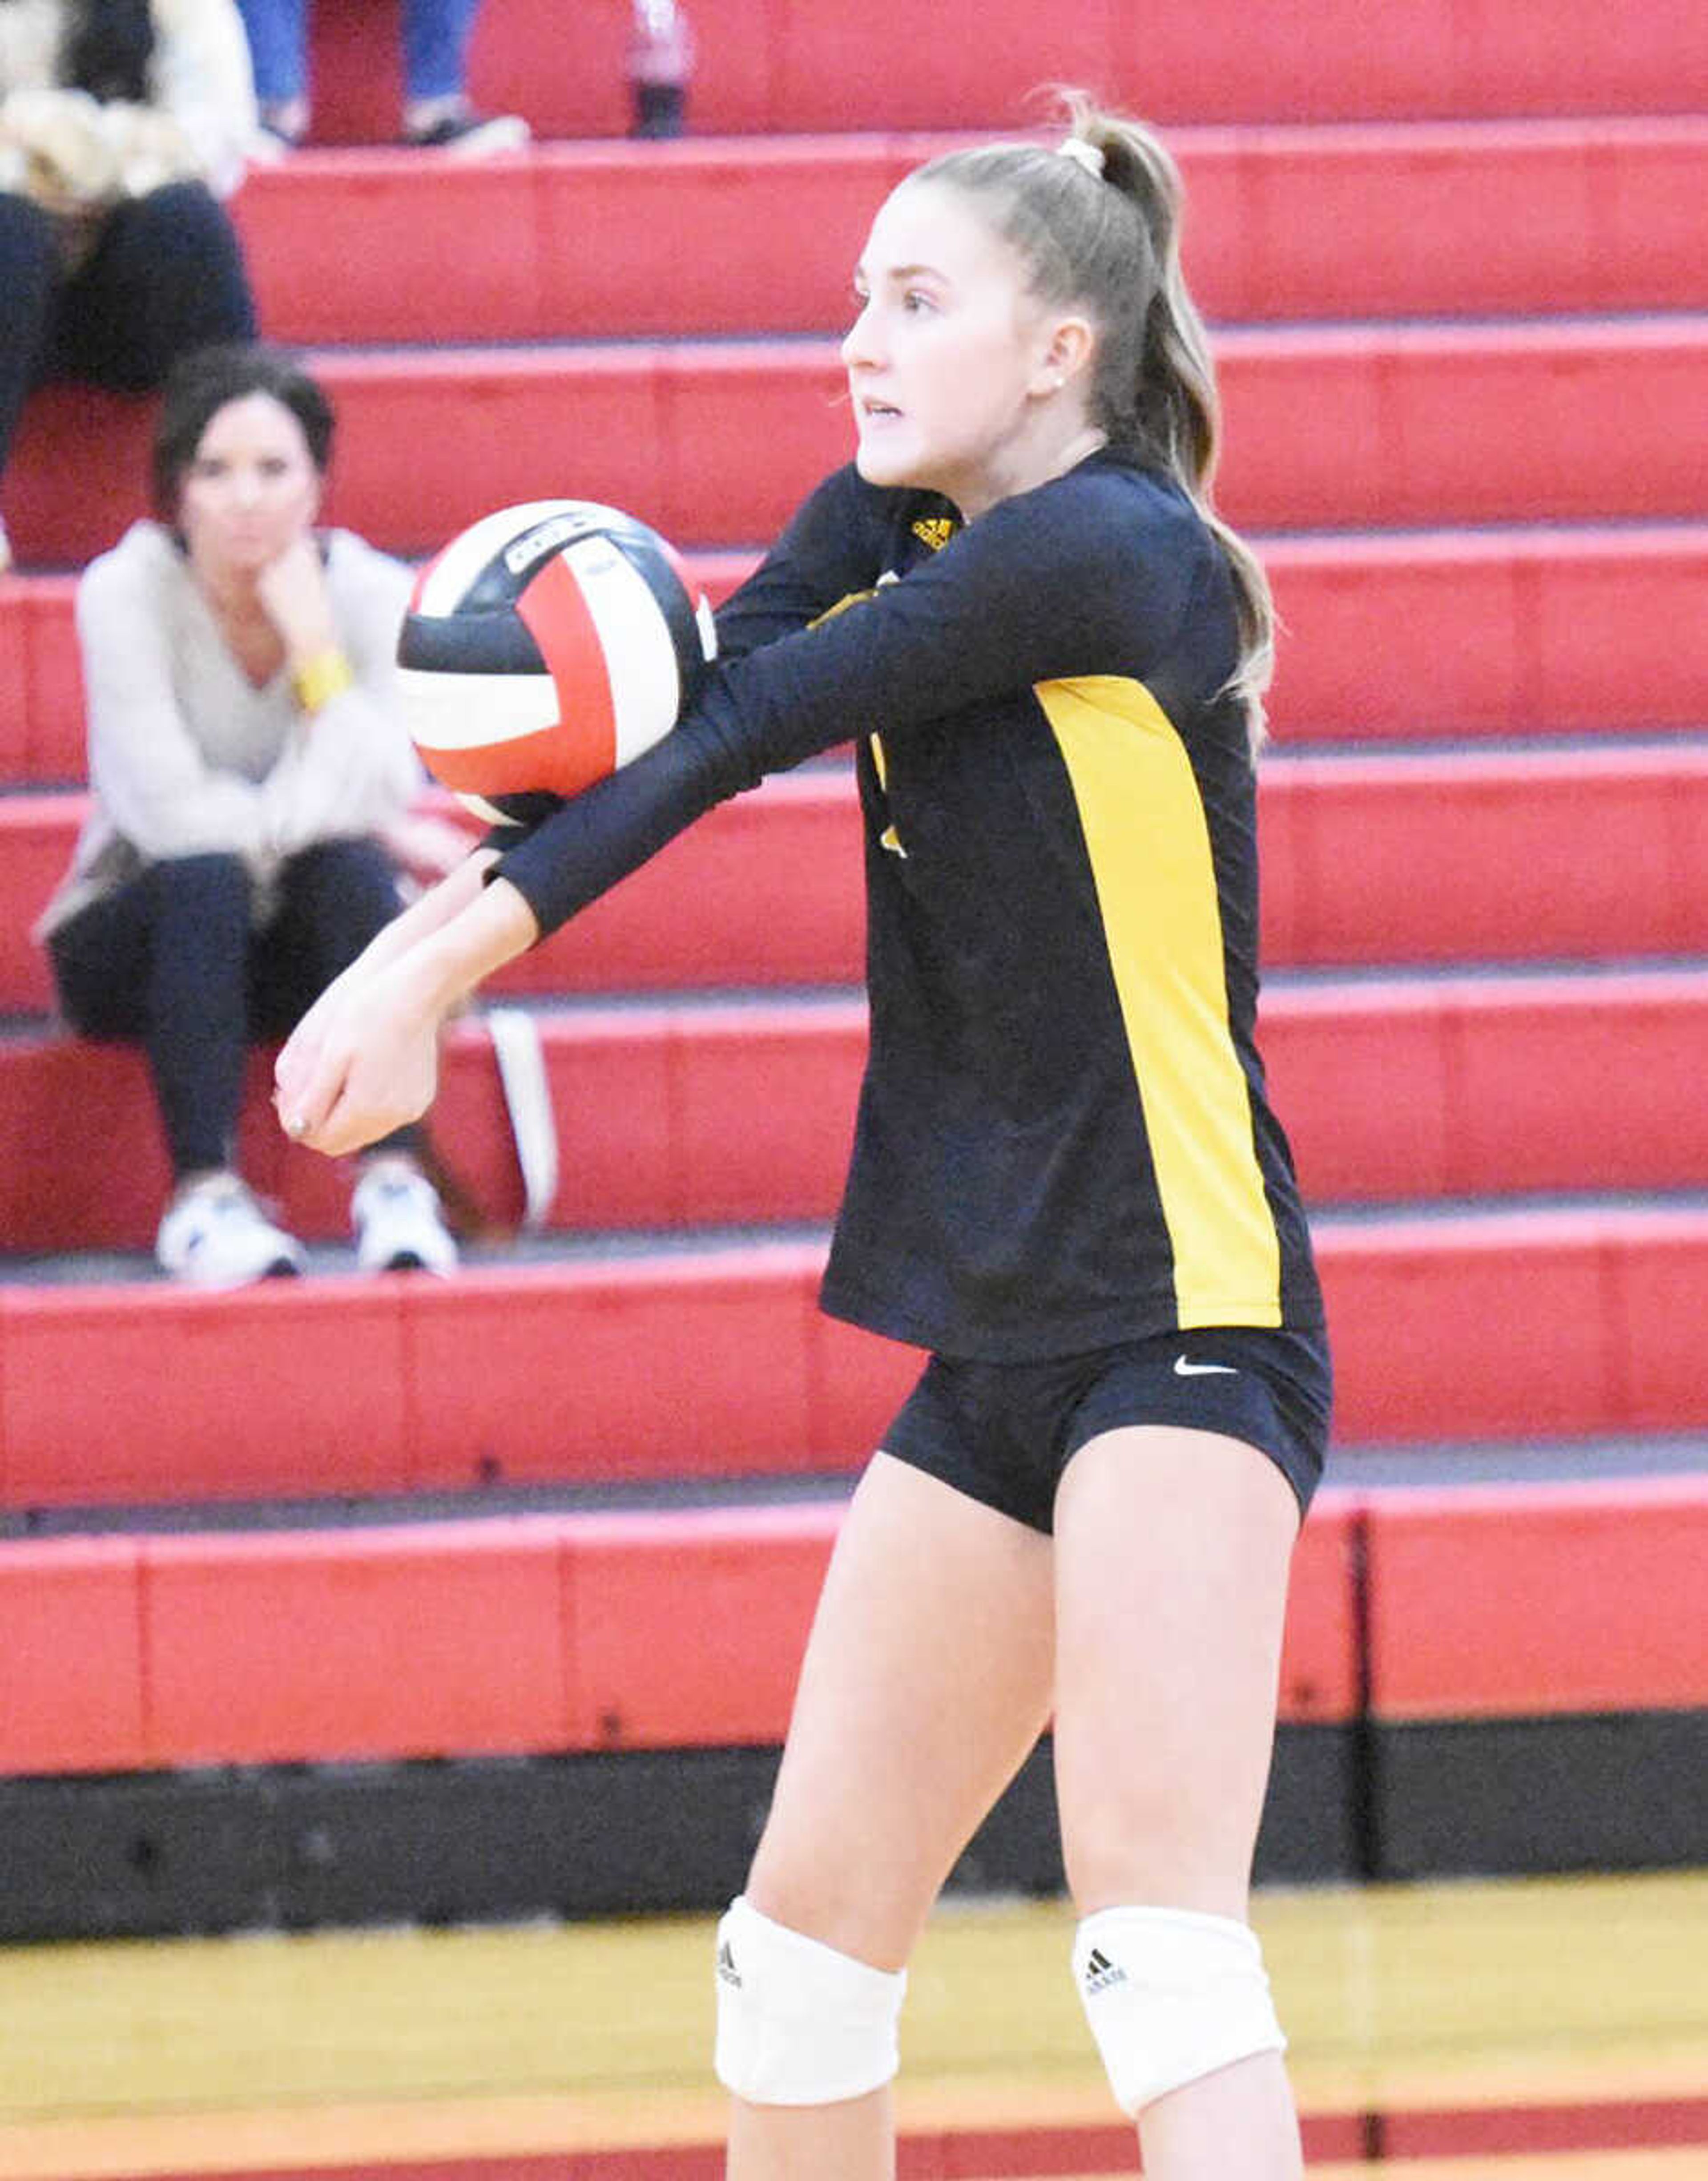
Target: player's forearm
482,934
430,911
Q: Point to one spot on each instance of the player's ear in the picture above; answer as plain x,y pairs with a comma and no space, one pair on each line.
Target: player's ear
1067,354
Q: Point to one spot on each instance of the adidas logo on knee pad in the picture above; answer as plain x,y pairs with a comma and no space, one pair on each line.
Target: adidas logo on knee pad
1171,1995
799,2024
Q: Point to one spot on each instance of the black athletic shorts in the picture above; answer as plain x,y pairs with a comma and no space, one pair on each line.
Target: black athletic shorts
1004,1432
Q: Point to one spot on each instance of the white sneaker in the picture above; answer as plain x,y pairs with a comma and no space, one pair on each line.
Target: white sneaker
215,1235
460,133
399,1222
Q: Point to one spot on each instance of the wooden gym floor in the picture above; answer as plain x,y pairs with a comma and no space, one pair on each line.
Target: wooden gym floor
1547,2031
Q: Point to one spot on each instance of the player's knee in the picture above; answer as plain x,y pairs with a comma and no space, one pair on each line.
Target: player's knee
798,2023
1171,1995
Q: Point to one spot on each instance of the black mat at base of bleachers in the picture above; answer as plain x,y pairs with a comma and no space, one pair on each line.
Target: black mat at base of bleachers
1501,1797
492,1840
151,1854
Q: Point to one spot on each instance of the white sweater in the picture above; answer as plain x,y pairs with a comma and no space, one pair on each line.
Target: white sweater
186,755
199,80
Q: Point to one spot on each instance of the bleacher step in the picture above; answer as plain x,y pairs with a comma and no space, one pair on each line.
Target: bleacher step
1432,635
558,1633
795,65
707,1114
730,235
647,1363
1464,855
1565,420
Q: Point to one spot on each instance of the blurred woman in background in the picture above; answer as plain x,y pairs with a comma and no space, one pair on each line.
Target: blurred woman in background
245,761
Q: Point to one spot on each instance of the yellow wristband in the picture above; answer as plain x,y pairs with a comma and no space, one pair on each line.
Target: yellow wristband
317,681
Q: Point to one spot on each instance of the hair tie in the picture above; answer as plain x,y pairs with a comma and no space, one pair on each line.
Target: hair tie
1084,153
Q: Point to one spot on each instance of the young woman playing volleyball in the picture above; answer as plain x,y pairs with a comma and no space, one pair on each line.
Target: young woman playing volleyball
1066,1182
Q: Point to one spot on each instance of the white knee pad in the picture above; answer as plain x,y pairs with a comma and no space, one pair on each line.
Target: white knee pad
799,2023
1171,1995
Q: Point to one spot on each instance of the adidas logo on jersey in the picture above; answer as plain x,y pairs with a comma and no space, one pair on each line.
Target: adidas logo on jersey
935,531
1102,1975
726,1966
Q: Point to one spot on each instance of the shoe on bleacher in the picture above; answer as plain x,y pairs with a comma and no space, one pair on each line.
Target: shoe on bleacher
461,133
282,125
399,1222
215,1235
5,550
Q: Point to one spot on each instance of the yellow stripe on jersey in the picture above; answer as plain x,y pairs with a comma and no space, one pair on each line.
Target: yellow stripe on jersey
1149,840
889,838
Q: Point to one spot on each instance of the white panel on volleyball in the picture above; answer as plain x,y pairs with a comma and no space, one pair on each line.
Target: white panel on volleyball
469,711
635,636
468,555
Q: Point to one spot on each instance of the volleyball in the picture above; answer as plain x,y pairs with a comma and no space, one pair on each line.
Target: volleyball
545,646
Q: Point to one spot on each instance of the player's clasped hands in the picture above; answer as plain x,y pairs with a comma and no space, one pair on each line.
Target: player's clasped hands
362,1062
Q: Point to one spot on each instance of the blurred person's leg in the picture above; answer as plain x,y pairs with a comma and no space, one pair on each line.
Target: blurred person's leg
29,281
436,47
437,113
278,32
164,962
333,897
166,276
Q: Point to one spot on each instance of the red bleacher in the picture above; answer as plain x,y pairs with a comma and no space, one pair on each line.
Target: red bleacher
800,64
1580,1599
1421,1088
526,1634
1328,426
1464,346
582,1632
1371,222
712,1359
1433,635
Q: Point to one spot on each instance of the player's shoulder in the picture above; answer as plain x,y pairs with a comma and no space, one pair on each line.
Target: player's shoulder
1111,531
1115,500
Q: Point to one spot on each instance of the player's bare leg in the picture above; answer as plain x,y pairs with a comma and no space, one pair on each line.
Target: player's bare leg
926,1681
1172,1552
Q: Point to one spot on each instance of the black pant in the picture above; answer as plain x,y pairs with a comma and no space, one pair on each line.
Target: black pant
166,275
173,961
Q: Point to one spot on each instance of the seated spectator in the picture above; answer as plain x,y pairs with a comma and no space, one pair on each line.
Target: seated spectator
122,126
437,114
245,761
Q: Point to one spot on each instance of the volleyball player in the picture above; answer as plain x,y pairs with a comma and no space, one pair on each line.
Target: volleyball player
1066,1182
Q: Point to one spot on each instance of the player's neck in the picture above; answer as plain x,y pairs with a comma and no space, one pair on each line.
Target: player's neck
1046,454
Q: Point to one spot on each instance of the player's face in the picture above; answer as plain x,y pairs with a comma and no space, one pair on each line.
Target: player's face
946,358
251,490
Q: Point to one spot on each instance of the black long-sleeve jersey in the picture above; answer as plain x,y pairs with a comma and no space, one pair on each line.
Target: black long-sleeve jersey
1063,1138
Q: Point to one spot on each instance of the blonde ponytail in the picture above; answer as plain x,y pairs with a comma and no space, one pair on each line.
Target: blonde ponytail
1101,228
